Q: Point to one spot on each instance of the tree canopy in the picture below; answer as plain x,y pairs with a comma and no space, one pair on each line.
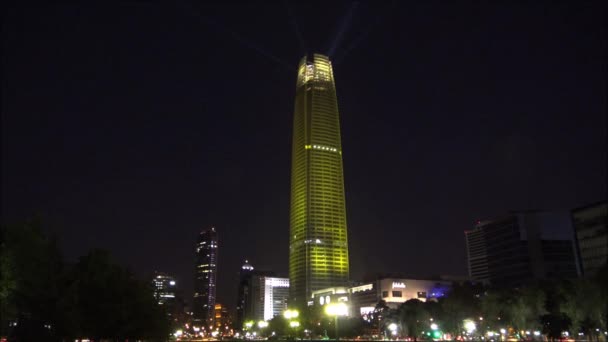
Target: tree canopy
44,298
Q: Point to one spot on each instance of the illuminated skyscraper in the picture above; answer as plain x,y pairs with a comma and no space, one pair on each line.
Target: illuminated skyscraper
318,244
205,277
164,288
168,294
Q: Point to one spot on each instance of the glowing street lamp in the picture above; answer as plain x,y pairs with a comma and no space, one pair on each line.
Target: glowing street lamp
434,326
262,324
289,314
336,309
393,328
469,326
295,325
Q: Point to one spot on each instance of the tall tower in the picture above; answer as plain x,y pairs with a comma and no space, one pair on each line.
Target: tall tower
244,294
205,277
318,243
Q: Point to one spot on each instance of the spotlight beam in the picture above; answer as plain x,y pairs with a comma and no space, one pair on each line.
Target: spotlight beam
365,33
342,29
243,41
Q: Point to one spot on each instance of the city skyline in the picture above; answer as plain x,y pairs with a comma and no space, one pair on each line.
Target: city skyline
449,117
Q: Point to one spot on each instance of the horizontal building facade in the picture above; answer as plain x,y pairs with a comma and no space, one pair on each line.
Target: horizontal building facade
590,227
363,298
521,248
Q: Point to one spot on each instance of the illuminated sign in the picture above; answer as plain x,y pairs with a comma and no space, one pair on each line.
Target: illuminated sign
398,285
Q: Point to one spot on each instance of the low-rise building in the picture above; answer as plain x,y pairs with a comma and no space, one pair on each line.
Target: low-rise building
395,291
363,298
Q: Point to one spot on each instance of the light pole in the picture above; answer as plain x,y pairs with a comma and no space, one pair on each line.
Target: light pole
292,314
436,333
338,309
262,325
295,325
393,328
469,326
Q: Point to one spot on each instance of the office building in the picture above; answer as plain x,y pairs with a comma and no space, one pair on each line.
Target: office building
205,277
274,292
164,287
521,248
590,227
222,320
318,243
262,295
244,292
476,255
168,294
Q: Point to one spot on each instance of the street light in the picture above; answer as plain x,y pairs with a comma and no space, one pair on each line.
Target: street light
295,325
435,332
292,314
469,326
262,324
248,325
336,309
393,328
289,314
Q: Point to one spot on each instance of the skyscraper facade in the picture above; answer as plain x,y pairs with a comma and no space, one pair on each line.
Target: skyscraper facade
244,295
262,295
591,232
164,288
318,243
476,254
168,294
205,277
521,248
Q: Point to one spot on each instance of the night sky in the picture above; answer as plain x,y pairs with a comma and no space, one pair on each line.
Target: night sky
132,126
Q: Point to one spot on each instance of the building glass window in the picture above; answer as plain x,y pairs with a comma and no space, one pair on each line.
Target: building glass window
397,294
384,294
421,294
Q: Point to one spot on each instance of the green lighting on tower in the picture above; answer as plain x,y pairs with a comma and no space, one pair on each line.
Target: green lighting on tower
318,255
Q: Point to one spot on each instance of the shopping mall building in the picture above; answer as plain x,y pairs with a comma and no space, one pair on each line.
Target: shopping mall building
363,298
